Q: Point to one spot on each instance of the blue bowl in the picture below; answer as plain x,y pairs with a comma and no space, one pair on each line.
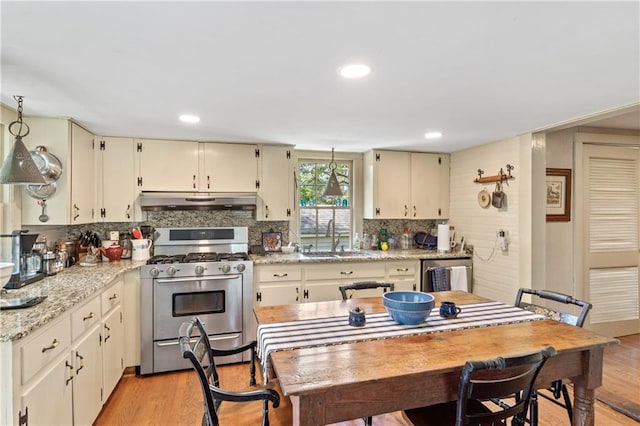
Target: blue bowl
408,307
408,300
408,317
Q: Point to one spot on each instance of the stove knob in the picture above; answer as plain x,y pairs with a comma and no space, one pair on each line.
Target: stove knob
199,270
241,267
225,268
171,271
154,272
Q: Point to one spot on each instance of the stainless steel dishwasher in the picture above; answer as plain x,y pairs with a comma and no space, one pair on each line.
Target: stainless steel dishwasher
428,266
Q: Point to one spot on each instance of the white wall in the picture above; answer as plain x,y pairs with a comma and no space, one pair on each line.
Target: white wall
497,275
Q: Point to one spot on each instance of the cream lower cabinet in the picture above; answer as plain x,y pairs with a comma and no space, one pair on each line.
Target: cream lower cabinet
112,338
404,274
64,372
322,281
281,284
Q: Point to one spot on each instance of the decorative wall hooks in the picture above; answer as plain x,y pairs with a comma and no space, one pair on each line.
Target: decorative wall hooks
500,177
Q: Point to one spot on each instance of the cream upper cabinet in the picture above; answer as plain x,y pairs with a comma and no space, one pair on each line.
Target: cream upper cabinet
429,186
74,200
386,185
275,177
405,185
116,179
228,167
166,165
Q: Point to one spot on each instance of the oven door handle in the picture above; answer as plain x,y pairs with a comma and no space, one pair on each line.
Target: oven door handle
207,278
195,339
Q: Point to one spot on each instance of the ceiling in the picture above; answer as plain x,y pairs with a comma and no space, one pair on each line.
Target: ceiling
266,72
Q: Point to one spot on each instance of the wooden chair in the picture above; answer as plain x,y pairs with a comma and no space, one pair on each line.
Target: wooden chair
481,381
556,300
364,285
195,348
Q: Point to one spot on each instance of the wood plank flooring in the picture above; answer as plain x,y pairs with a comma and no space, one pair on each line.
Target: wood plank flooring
175,398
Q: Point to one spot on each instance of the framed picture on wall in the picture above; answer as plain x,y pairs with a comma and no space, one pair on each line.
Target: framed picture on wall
558,195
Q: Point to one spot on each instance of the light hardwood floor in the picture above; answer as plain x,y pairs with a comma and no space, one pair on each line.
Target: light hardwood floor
175,398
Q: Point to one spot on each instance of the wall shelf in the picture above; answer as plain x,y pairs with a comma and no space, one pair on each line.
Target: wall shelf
500,177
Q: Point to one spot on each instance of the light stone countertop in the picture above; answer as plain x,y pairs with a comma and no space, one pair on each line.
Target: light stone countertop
362,256
63,290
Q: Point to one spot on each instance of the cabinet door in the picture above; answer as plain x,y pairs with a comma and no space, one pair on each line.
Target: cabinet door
168,165
116,179
321,291
87,383
275,173
83,176
49,400
275,293
229,167
112,351
429,186
131,314
391,185
405,275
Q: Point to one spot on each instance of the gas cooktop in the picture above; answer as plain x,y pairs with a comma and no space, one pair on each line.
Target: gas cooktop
196,258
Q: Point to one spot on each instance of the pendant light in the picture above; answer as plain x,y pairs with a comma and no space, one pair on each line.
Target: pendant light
19,168
333,186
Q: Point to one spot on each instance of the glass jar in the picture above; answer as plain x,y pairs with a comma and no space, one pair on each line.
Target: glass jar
125,243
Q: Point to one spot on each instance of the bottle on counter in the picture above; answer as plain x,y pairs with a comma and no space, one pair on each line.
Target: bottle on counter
405,238
365,243
356,242
374,242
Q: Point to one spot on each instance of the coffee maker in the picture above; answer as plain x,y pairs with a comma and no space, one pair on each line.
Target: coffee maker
27,266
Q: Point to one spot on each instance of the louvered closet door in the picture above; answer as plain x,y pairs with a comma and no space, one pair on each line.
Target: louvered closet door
611,231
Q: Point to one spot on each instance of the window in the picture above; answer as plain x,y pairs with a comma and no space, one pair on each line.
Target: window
318,214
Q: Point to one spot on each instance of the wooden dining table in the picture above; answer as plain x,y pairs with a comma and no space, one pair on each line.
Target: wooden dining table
338,382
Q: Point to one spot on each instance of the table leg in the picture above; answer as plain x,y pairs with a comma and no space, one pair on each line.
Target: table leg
308,410
584,388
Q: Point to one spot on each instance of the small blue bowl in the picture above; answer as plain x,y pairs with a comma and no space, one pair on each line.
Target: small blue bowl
408,307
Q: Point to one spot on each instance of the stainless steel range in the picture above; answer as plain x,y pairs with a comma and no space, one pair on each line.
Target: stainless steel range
195,271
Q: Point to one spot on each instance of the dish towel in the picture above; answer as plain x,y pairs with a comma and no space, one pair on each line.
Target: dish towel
439,279
459,278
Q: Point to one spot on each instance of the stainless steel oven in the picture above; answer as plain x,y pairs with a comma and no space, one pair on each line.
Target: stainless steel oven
195,271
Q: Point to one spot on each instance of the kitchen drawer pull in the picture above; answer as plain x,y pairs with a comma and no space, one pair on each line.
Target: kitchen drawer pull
88,317
402,269
281,275
54,345
115,296
346,273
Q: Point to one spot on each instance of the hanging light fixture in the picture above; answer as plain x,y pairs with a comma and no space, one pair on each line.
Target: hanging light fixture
333,186
19,168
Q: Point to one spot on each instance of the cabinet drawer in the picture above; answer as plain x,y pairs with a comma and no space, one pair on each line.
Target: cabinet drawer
346,271
112,297
83,318
44,348
403,268
277,273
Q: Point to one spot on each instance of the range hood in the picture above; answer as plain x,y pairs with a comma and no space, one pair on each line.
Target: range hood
158,201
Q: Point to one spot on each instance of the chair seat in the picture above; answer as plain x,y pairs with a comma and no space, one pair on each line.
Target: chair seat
441,414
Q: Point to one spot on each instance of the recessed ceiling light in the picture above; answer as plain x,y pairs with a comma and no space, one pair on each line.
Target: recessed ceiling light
355,71
433,135
187,118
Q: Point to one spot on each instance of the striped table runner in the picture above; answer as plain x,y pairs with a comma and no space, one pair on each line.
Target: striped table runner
336,330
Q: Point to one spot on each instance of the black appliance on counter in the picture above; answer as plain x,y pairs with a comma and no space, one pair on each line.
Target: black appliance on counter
27,266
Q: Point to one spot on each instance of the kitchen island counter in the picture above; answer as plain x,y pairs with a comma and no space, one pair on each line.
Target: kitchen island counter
63,290
361,256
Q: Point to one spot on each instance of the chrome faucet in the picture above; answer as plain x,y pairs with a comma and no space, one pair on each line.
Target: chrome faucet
331,229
